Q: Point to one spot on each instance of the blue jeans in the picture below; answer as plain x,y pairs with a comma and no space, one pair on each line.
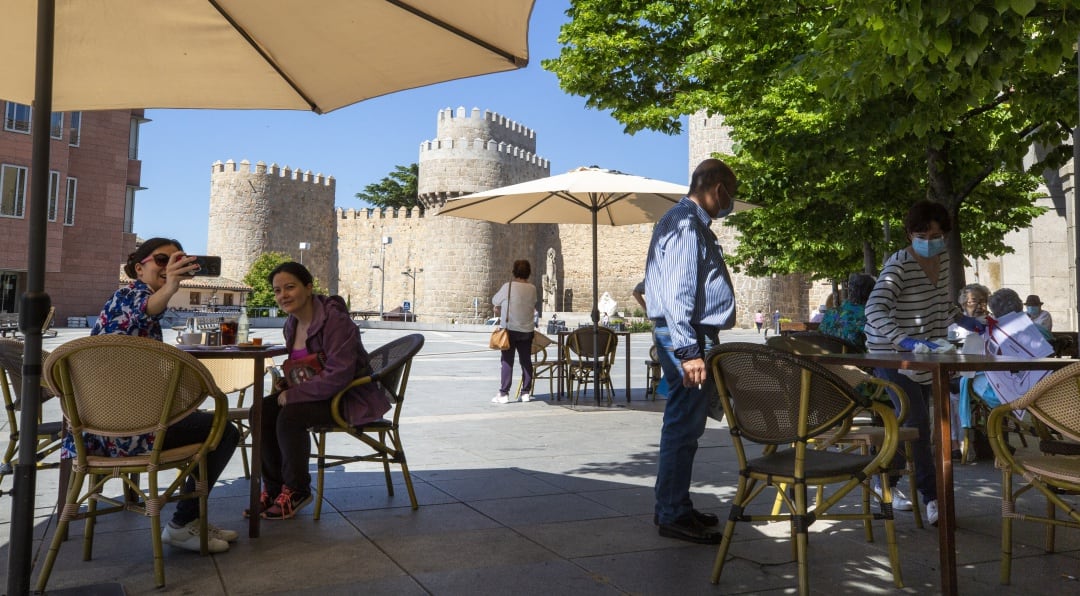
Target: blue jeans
684,422
919,418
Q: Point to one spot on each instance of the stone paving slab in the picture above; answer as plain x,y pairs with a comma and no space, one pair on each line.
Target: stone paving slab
533,498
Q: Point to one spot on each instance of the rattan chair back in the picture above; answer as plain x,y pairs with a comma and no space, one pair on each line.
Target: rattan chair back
1055,401
119,385
830,343
391,362
11,359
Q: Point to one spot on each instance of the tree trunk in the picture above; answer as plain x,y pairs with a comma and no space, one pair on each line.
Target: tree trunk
941,191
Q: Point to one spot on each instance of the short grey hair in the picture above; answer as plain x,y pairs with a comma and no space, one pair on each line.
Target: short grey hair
961,298
1005,301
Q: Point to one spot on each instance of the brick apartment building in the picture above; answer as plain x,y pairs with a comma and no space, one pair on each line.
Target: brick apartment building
94,174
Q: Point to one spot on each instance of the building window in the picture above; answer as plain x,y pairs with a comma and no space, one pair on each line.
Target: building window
195,299
69,202
54,194
129,209
12,190
56,126
17,117
228,299
75,129
133,138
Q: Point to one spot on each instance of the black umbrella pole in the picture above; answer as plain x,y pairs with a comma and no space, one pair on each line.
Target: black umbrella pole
35,305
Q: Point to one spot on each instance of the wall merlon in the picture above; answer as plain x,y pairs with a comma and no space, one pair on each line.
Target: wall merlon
260,169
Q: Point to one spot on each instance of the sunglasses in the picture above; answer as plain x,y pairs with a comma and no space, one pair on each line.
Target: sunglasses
160,259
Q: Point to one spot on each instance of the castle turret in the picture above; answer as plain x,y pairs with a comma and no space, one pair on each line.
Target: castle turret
253,211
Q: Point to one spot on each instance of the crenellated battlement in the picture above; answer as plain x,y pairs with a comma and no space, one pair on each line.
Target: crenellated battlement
463,148
374,213
244,168
449,119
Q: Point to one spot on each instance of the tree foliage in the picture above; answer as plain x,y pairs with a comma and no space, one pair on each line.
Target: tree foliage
397,189
262,293
844,113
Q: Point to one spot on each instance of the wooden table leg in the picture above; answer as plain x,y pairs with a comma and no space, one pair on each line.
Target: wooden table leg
946,508
627,368
256,446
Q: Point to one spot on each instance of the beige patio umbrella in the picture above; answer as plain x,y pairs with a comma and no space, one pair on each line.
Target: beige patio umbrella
586,195
68,55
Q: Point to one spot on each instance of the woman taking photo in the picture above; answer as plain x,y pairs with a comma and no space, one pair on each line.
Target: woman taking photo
157,267
325,354
515,303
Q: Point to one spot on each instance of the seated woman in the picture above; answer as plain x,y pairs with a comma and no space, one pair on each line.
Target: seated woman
325,354
848,321
157,267
1007,309
972,299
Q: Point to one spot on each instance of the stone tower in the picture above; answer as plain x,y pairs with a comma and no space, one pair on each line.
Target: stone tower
253,211
475,151
793,295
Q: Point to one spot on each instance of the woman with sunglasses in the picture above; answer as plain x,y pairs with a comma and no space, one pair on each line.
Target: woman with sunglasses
157,267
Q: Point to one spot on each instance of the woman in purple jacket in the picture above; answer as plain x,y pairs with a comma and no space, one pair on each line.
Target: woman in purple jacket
325,354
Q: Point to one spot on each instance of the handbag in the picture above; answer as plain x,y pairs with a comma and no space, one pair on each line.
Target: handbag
500,338
298,370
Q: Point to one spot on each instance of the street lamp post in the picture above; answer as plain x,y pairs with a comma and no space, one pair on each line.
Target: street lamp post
411,274
304,246
382,275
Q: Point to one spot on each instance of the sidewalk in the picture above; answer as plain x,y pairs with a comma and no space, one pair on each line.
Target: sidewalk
535,498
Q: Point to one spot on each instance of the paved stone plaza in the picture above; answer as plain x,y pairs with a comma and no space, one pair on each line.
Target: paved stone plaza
534,498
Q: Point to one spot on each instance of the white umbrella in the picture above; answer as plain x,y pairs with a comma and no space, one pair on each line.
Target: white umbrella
586,195
68,55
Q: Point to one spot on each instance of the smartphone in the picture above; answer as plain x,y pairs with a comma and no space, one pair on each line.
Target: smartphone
210,266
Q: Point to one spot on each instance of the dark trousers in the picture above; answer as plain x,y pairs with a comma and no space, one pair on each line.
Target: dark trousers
286,442
194,429
520,342
919,418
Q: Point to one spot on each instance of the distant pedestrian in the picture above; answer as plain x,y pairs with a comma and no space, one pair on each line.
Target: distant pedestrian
759,320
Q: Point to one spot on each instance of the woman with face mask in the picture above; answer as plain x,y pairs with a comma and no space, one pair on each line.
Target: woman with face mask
1033,308
909,306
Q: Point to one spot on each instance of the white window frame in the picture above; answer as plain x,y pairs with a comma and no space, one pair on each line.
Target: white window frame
19,201
12,121
75,129
69,201
56,126
54,195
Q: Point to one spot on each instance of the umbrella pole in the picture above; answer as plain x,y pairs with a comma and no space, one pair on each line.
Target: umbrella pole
595,314
35,305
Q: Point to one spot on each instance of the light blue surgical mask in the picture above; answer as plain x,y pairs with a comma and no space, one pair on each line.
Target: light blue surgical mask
1032,310
927,248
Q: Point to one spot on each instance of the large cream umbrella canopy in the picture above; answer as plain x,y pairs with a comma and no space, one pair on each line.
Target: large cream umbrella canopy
266,54
67,55
586,195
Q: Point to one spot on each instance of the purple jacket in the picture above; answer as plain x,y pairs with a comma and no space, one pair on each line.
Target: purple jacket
334,333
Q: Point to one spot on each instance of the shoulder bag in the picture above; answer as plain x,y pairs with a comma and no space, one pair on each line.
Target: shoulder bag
500,338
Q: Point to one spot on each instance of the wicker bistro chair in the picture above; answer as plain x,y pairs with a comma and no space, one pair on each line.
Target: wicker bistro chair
1053,402
234,376
48,433
653,374
544,366
829,343
863,431
783,402
93,378
581,360
391,364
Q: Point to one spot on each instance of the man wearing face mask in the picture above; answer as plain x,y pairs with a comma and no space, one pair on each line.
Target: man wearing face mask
1033,308
910,305
690,299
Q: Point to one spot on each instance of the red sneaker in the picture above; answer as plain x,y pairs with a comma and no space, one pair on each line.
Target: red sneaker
287,504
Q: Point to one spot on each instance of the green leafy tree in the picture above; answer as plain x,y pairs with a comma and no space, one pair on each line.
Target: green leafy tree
262,293
398,189
845,113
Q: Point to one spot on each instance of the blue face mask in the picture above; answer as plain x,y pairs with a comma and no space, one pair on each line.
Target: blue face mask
1032,310
725,212
928,248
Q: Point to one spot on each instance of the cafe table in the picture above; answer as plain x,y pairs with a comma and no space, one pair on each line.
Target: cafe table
258,356
941,366
562,369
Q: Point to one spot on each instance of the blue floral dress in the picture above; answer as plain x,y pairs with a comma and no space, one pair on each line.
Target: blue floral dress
124,314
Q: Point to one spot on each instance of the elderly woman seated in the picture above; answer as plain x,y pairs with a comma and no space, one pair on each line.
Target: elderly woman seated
1008,311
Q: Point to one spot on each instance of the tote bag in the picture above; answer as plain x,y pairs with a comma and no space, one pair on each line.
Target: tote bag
500,338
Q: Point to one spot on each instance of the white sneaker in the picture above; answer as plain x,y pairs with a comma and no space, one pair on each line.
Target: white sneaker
506,399
899,501
499,399
187,538
931,512
221,533
526,397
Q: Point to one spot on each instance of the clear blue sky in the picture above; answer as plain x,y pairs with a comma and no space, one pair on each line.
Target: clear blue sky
362,143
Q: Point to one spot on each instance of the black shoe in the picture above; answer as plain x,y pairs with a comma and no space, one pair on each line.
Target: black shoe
708,520
690,530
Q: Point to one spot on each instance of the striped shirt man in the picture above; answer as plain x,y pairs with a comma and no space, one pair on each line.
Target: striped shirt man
687,285
905,303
